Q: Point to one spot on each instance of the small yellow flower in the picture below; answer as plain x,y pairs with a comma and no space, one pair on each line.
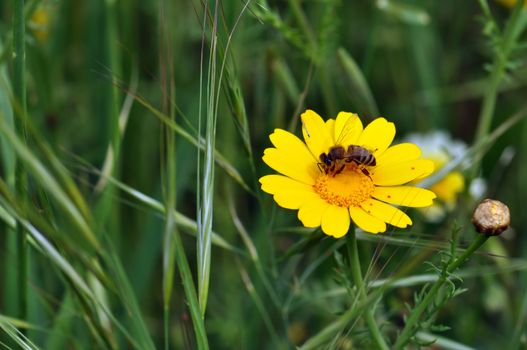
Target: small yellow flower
441,148
356,189
449,187
511,3
39,23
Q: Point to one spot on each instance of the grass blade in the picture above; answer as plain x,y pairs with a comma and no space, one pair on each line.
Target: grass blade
358,83
16,335
84,289
259,304
8,157
190,293
205,201
169,150
197,142
21,182
127,295
45,178
185,223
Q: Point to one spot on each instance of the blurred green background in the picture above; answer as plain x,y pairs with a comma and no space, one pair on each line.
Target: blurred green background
425,65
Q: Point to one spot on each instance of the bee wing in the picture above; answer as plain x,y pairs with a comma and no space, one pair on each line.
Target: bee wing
348,128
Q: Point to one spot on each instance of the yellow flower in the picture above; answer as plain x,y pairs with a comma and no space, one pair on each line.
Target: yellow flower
351,189
511,3
39,23
441,148
449,187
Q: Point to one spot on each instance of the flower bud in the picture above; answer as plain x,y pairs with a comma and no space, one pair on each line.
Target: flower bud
491,217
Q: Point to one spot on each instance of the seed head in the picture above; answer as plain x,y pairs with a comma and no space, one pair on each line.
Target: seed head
491,217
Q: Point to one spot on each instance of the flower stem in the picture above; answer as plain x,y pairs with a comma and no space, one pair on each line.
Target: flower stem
409,328
19,90
357,279
515,26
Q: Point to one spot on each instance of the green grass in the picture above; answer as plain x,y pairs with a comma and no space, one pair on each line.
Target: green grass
131,136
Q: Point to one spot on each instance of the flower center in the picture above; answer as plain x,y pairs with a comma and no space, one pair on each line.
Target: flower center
349,188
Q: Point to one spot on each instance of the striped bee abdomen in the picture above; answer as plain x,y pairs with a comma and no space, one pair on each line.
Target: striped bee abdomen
361,155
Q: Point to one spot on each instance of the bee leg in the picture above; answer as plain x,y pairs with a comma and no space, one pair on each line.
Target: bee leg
365,172
340,169
320,167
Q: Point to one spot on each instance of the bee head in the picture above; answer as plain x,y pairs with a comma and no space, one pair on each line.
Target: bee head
324,158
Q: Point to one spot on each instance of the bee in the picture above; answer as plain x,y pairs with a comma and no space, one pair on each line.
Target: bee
337,157
335,160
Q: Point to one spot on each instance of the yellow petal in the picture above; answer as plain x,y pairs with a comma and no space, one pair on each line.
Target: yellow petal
365,221
330,125
401,173
316,134
407,196
348,128
310,213
278,183
386,213
293,200
288,193
448,188
336,221
286,141
377,136
289,165
399,153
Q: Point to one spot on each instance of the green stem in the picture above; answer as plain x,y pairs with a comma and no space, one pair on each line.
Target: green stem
166,325
514,28
325,335
357,278
168,88
409,328
7,47
112,43
19,89
107,213
19,32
